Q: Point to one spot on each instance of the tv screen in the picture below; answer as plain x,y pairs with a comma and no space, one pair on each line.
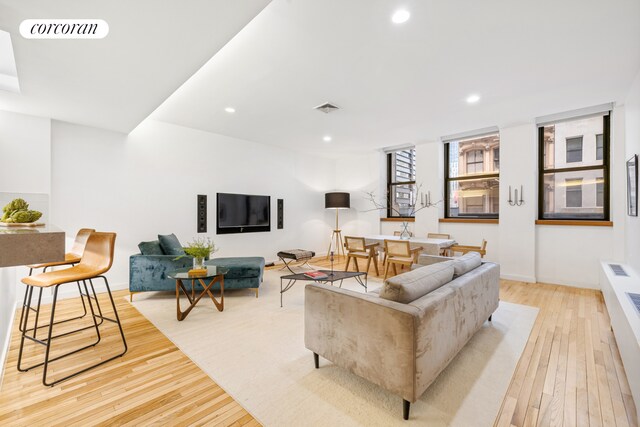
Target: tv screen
243,213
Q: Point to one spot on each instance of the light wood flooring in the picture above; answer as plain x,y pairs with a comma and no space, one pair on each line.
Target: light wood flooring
569,374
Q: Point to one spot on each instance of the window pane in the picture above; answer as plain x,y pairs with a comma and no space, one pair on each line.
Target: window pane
402,199
573,143
599,146
600,194
480,155
403,166
573,195
574,149
474,197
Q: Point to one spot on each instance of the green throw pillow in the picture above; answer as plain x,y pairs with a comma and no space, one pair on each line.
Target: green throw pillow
170,245
150,248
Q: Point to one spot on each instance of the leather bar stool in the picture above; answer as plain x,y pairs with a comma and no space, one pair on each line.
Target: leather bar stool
96,261
71,258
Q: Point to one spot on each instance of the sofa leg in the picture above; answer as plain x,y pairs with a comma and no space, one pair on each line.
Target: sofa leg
406,405
256,290
490,317
316,360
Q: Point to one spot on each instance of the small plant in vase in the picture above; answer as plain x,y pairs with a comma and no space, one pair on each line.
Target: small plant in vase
200,249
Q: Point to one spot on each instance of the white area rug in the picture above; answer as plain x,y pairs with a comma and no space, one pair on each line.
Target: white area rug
255,351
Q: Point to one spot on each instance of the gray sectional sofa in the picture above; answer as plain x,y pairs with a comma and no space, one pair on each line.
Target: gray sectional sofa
403,337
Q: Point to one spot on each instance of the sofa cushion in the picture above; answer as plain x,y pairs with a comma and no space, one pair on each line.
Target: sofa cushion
466,263
170,244
414,284
150,248
240,267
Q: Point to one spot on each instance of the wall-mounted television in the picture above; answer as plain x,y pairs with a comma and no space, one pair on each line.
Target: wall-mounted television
242,213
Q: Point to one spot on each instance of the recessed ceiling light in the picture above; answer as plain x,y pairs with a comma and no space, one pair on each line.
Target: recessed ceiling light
327,138
230,110
400,16
472,99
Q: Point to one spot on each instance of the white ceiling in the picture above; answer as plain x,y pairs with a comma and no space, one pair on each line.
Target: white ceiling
116,82
399,84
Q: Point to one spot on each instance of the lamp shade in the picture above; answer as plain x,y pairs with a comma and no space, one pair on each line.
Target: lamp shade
337,201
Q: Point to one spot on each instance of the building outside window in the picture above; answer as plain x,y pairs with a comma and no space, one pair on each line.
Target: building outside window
401,182
472,177
574,170
574,149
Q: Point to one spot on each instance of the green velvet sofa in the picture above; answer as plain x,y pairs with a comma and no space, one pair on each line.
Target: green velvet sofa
148,272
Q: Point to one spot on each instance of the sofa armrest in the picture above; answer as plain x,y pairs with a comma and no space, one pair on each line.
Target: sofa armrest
370,336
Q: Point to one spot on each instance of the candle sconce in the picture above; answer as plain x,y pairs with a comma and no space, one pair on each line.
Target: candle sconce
425,200
516,201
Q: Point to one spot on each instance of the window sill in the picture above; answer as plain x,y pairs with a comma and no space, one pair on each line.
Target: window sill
579,223
398,219
471,220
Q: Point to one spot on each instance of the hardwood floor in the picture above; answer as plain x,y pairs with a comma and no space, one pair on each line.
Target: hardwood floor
153,383
569,374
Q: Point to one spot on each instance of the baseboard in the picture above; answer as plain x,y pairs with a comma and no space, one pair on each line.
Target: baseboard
4,353
518,278
569,283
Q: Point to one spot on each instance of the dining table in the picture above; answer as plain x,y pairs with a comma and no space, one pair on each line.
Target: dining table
430,246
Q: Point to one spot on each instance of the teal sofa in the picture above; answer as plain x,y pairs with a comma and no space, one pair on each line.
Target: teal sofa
149,272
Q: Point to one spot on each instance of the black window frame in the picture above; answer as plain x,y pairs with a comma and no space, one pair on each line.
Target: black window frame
391,183
605,167
448,180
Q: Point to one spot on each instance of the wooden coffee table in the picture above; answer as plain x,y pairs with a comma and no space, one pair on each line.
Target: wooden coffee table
214,275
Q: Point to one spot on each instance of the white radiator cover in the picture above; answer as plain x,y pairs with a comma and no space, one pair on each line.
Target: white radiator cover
625,321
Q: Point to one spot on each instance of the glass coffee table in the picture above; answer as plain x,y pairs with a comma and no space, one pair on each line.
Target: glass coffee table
213,275
332,277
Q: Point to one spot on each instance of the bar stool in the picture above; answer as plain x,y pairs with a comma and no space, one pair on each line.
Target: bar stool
96,260
70,258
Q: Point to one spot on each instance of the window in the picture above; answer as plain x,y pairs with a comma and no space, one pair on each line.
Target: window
600,194
574,149
401,182
475,161
576,188
472,177
574,192
599,146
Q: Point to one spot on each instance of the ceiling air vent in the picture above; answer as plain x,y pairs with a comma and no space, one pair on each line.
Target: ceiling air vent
618,270
326,108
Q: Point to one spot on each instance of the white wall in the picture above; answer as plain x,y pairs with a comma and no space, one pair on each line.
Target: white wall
517,232
25,167
146,183
632,137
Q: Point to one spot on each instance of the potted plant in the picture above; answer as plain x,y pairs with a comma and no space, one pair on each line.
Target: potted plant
200,249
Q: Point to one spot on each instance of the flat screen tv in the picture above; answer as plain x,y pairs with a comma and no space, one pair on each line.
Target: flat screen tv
243,213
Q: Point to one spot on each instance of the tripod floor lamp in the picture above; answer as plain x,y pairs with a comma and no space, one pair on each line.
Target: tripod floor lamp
336,201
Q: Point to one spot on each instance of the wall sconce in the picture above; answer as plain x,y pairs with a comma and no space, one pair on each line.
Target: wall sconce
516,202
425,200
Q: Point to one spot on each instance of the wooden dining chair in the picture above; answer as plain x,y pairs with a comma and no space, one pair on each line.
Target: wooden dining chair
438,236
463,249
358,249
399,252
443,251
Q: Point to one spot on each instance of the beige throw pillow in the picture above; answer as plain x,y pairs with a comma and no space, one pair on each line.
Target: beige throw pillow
466,263
414,284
